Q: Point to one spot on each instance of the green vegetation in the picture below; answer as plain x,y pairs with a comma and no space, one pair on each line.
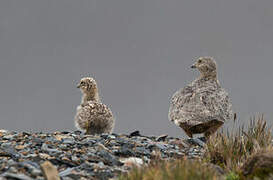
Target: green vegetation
232,176
244,154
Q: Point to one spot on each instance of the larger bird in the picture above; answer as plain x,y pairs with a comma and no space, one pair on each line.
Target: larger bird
202,106
92,116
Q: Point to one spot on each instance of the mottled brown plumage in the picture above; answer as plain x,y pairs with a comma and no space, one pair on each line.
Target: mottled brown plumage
92,116
203,105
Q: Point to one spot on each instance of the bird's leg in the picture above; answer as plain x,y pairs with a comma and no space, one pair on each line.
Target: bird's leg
88,129
188,132
186,129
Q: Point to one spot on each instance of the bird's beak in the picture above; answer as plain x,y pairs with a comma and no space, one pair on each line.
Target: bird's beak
193,66
79,85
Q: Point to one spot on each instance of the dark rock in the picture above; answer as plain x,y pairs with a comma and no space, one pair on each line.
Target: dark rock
68,141
109,159
135,133
77,132
32,167
203,139
66,172
162,137
87,142
37,141
104,175
50,150
59,161
65,132
161,146
74,176
142,151
125,152
196,141
9,137
26,134
104,136
86,166
122,141
16,176
9,151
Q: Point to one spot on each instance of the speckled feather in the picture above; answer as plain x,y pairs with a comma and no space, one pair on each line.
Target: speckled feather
94,118
200,105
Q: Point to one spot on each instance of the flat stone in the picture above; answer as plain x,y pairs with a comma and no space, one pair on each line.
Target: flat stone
16,176
9,151
32,167
161,146
132,161
196,141
124,151
142,151
135,133
109,159
49,171
50,150
162,137
68,141
66,172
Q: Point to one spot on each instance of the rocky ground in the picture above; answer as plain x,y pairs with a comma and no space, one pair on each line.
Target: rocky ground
78,156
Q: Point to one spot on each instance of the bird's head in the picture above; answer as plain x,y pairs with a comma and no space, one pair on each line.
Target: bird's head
206,65
87,85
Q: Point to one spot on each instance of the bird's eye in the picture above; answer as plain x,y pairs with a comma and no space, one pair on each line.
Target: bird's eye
82,82
200,60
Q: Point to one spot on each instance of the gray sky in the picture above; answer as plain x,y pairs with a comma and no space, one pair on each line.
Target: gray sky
139,51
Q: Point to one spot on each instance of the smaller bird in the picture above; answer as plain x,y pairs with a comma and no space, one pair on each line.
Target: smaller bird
202,106
92,116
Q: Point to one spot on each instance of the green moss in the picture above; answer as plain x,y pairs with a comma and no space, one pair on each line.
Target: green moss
232,176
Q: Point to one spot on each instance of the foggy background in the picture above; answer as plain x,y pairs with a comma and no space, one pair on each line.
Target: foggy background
139,51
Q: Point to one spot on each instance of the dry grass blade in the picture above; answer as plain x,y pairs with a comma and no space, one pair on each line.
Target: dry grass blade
183,169
231,150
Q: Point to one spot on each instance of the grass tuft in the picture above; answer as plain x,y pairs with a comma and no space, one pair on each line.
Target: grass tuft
230,151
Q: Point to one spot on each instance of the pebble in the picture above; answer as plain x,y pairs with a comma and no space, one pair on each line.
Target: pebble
16,176
162,137
79,156
135,133
132,161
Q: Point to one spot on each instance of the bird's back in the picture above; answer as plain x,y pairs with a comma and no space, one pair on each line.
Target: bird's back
199,102
95,118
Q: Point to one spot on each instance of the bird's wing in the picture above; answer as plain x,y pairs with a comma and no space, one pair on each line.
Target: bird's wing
221,105
82,117
181,97
194,105
180,103
99,114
